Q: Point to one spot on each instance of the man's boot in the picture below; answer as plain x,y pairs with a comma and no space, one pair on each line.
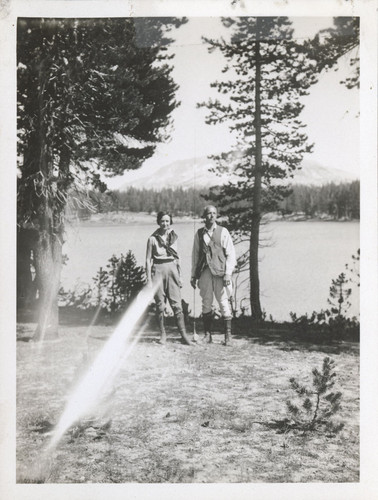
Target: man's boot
227,332
163,335
181,326
207,322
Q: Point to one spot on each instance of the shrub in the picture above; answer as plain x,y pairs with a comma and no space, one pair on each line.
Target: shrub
114,287
123,281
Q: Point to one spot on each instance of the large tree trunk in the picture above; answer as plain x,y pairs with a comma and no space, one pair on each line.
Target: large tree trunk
48,263
48,250
26,285
254,270
256,203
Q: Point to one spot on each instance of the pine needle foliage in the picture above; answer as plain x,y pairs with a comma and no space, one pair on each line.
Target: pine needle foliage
329,46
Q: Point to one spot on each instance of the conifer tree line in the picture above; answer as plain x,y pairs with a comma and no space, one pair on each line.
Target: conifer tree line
178,201
339,201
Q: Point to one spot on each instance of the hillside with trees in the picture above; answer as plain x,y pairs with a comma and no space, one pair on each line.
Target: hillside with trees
339,201
335,201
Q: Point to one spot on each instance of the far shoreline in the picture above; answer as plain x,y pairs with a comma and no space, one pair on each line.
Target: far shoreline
121,218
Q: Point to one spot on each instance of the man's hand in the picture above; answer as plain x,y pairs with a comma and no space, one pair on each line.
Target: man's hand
193,282
226,280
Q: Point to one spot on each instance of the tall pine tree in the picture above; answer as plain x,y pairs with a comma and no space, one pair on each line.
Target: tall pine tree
90,92
270,72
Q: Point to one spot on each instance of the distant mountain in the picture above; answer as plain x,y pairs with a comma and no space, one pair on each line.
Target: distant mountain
192,172
196,172
314,174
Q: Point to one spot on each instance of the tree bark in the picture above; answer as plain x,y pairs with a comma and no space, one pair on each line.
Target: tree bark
256,311
48,263
26,286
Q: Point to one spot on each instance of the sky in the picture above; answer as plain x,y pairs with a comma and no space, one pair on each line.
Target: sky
331,110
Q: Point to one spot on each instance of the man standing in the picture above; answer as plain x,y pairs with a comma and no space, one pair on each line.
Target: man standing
213,261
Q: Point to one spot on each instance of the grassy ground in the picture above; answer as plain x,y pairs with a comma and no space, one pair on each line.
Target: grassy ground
180,414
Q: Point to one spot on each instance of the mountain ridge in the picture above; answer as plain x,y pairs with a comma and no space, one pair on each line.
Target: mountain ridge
196,173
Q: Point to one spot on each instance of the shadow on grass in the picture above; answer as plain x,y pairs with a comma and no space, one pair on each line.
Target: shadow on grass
288,337
284,336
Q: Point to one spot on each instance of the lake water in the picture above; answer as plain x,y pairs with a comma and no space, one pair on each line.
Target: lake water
298,259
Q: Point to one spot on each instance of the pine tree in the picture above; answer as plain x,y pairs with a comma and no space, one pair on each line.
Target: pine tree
273,71
319,403
125,279
93,94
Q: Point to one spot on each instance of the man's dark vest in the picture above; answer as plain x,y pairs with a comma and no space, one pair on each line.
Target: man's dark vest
211,255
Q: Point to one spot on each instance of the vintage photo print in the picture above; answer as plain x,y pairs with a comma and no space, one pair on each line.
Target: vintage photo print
189,288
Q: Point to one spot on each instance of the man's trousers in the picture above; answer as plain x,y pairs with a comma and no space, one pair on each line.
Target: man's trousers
209,286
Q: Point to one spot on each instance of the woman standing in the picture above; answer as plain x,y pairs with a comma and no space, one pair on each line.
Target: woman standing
162,266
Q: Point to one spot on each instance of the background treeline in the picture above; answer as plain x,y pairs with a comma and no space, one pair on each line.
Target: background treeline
178,201
339,201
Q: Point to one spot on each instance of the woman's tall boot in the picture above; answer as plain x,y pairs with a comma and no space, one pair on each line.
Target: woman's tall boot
163,334
181,326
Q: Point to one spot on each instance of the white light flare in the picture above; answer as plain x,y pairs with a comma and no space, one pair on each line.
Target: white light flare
105,367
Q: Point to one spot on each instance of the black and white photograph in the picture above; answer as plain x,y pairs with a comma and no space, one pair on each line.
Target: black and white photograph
193,282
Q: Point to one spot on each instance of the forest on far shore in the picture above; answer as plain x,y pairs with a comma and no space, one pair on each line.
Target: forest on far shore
336,201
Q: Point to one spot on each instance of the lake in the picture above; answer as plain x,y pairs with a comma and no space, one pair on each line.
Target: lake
298,259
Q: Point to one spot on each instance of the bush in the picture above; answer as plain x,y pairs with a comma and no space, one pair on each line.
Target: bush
114,287
327,322
123,281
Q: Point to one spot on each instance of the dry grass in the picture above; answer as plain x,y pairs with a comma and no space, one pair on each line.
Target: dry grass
181,414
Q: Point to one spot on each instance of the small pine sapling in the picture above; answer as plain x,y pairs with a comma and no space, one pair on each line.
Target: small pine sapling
354,269
101,281
339,295
318,404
